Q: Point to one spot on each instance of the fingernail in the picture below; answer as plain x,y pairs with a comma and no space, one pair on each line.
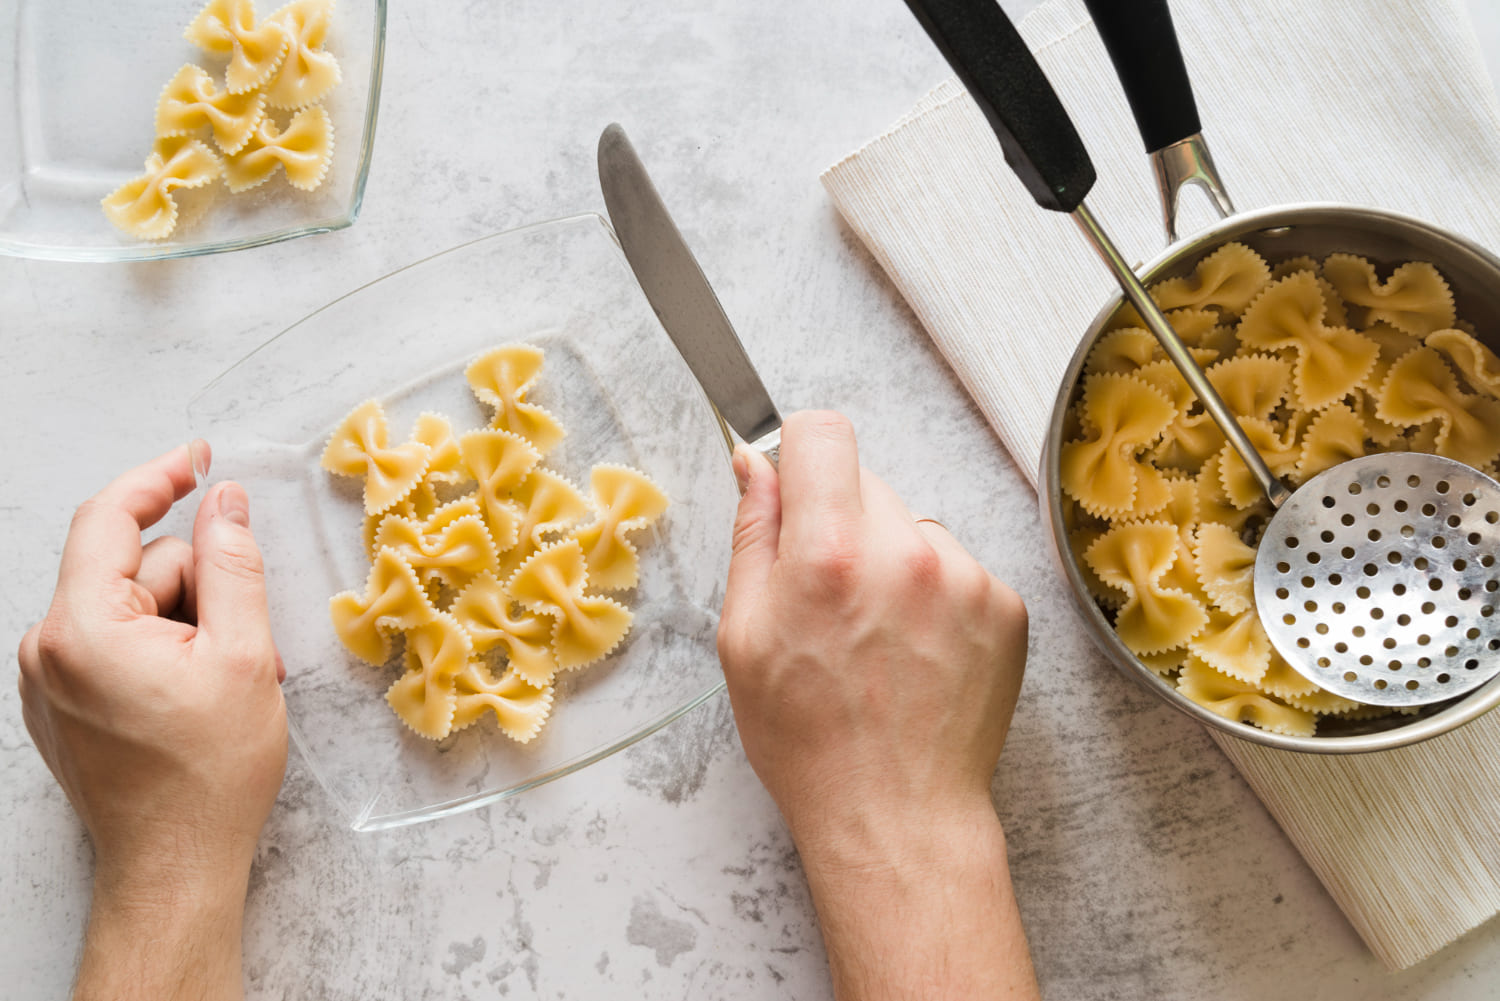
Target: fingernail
741,463
234,505
201,457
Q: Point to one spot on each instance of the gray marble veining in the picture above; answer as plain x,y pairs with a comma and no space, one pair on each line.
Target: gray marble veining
1145,868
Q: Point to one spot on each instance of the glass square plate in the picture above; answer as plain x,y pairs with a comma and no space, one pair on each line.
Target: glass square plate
85,77
624,394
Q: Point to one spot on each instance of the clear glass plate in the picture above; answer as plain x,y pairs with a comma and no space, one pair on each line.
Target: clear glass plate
623,393
85,77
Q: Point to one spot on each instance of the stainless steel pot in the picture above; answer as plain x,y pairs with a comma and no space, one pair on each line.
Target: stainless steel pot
1140,39
1277,234
1041,146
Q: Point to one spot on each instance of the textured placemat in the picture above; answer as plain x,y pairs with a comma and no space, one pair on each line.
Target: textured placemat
1302,102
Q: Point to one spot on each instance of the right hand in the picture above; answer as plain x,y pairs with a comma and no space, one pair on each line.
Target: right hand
872,663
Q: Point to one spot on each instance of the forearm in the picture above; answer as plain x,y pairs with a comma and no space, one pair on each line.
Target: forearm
934,918
164,940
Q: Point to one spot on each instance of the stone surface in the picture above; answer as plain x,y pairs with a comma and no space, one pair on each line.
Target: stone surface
1145,868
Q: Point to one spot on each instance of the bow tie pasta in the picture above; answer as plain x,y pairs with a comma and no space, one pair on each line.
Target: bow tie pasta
487,563
271,65
1321,362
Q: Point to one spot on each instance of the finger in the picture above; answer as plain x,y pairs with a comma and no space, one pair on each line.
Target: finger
229,576
943,541
167,573
105,537
882,505
757,525
820,481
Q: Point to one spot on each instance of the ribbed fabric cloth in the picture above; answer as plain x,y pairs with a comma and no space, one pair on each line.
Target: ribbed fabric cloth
1319,100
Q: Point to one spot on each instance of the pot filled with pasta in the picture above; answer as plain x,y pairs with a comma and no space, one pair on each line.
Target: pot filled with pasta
1274,348
1331,333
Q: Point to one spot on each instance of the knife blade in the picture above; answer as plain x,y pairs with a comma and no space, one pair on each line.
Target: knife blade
681,297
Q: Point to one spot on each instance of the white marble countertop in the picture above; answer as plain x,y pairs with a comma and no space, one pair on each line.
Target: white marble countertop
1144,866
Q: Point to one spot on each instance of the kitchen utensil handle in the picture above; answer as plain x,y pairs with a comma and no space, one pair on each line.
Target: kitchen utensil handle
1142,43
1003,78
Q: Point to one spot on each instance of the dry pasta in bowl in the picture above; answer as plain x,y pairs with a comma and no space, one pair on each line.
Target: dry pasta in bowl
494,588
1321,360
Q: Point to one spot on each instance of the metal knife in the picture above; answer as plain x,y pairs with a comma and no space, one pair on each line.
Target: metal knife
681,296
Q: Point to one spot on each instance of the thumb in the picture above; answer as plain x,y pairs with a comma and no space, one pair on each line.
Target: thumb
228,573
757,527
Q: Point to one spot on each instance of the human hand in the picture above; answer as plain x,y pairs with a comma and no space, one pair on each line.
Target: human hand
151,688
874,666
872,663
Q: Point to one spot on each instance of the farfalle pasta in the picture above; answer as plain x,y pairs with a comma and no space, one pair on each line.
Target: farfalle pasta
626,502
146,205
308,72
303,150
1321,362
1414,299
190,101
1104,471
275,64
229,29
501,378
1329,360
360,447
1133,557
472,560
1422,390
586,628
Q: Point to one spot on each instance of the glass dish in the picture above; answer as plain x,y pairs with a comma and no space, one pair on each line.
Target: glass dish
625,396
86,77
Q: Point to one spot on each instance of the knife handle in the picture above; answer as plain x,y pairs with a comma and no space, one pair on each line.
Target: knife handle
1142,43
1003,78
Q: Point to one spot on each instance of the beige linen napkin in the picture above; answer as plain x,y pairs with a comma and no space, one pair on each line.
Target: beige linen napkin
1318,100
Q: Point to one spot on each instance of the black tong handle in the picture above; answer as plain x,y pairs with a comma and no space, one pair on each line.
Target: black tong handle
1003,78
1142,43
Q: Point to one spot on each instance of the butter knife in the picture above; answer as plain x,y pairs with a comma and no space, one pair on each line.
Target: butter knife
681,297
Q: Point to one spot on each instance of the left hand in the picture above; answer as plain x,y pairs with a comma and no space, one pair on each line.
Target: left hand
152,688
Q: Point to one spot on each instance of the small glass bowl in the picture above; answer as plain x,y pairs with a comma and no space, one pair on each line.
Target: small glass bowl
86,77
625,396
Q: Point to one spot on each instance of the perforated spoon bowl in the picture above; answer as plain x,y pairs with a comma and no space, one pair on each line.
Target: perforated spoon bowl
1378,579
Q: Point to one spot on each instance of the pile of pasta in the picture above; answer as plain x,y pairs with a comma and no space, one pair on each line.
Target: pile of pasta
1321,362
488,563
207,128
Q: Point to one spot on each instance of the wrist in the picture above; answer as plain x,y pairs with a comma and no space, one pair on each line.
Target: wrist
166,882
163,933
878,845
930,914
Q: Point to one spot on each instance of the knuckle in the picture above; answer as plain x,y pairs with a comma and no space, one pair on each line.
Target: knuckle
829,423
27,654
833,566
244,653
240,560
727,641
924,567
251,658
749,532
1009,605
973,587
85,511
55,639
